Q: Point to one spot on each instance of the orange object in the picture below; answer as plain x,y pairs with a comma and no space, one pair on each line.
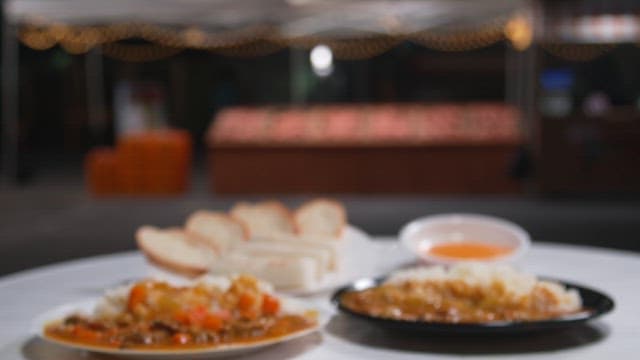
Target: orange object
212,322
246,301
155,162
468,250
270,305
246,305
100,171
191,316
137,295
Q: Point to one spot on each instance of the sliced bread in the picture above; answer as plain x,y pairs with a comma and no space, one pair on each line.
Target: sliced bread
285,251
329,249
264,218
321,217
217,230
174,250
284,273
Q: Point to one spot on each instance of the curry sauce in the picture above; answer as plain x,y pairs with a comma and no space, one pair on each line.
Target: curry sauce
159,316
160,336
451,302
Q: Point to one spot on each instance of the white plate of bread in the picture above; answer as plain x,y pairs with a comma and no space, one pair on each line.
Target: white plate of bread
307,250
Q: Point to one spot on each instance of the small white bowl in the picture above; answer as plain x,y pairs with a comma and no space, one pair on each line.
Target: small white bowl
419,235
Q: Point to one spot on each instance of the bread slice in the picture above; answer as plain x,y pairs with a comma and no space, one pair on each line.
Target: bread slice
321,217
285,251
264,218
173,250
329,250
297,273
217,230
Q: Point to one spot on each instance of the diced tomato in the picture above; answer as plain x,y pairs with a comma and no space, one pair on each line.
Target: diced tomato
137,295
270,304
181,338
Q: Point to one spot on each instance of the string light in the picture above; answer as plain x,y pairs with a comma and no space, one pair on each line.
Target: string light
577,52
75,47
58,31
36,39
244,41
462,39
194,37
138,53
252,49
358,49
262,40
519,31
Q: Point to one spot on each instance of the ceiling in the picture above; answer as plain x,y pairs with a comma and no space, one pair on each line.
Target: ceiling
291,18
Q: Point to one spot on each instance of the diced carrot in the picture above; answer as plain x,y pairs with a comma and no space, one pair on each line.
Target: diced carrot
246,301
181,338
250,314
212,322
137,295
190,316
270,305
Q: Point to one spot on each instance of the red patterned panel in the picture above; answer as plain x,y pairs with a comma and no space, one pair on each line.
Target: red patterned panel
241,124
388,123
343,124
354,124
437,124
288,126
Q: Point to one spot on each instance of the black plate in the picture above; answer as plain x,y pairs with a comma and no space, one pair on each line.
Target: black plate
594,302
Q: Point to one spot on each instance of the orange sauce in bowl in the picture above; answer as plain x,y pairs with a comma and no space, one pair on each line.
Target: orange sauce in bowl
468,250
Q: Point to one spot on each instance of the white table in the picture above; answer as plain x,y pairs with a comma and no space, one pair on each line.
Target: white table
615,336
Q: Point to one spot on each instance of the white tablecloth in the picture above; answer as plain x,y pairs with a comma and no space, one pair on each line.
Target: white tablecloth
615,336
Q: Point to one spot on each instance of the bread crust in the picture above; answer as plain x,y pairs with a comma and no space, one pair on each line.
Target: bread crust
342,212
275,205
153,257
282,209
183,265
196,238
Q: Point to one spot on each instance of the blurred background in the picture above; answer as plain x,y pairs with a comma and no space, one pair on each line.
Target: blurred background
122,113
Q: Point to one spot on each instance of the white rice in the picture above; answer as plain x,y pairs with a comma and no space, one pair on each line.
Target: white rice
113,302
516,284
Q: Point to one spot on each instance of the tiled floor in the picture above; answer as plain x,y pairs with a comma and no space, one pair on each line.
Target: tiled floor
55,219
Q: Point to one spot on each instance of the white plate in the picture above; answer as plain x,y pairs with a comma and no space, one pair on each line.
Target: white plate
87,306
